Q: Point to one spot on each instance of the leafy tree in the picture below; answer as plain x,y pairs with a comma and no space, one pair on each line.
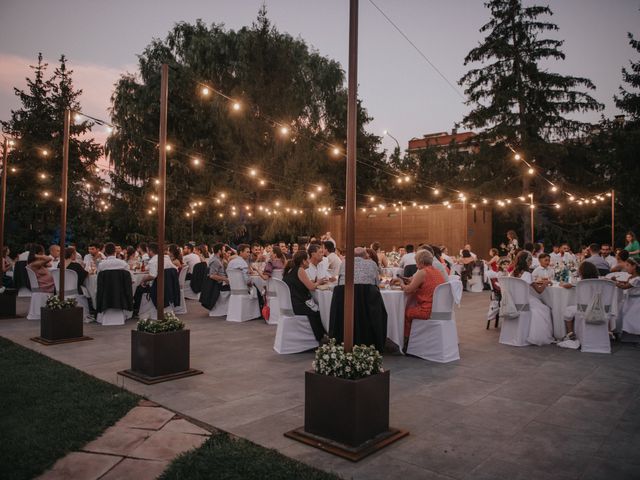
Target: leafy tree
278,80
33,187
629,101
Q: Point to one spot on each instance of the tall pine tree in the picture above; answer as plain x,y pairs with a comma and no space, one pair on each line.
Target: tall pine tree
33,187
629,100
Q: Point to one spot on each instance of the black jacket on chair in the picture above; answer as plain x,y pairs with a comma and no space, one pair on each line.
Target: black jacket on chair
200,272
370,321
171,289
211,292
114,290
410,270
20,278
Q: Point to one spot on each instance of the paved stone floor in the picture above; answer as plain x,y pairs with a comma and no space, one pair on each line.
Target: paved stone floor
499,412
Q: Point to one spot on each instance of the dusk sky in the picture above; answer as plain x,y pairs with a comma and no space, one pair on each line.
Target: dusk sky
400,90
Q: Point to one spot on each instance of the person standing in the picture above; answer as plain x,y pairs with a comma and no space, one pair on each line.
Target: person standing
633,246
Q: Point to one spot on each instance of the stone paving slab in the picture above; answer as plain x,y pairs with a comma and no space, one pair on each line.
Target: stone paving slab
164,445
134,469
81,465
152,418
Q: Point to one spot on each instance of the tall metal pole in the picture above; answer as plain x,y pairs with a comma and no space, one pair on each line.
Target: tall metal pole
164,99
401,224
532,208
350,203
613,218
5,166
466,224
65,174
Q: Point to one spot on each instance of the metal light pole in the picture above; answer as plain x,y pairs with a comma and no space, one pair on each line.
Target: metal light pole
386,132
613,219
5,166
401,224
532,208
350,186
162,175
63,221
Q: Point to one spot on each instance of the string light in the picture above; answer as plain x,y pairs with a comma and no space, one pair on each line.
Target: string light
253,172
372,199
531,171
45,153
236,106
205,91
554,189
284,130
517,156
319,188
262,183
436,191
196,161
336,151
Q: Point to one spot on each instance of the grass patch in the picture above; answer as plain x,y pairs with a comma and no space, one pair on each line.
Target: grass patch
225,458
48,409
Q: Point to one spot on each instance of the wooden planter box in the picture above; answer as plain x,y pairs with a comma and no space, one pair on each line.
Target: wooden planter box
8,303
56,325
159,354
350,412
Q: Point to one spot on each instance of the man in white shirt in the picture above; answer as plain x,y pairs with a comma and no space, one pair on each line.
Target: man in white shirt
565,256
112,262
329,238
54,253
408,258
189,257
605,252
93,258
333,260
316,270
240,262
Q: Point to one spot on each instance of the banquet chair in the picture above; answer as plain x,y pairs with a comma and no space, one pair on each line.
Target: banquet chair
294,333
21,279
515,331
182,276
277,273
242,306
114,297
594,338
476,283
171,296
273,302
38,297
410,270
630,312
71,289
456,288
436,338
221,307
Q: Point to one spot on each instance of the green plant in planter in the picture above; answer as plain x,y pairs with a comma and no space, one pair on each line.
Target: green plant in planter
54,303
170,323
361,362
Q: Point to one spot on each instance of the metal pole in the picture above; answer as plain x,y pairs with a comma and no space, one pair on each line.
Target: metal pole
613,218
4,196
401,225
466,224
65,174
162,175
350,203
531,207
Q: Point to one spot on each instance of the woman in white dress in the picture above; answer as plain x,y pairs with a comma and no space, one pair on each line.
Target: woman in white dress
541,327
630,313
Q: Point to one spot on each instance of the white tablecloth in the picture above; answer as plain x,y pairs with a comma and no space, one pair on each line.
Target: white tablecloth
91,284
558,299
394,302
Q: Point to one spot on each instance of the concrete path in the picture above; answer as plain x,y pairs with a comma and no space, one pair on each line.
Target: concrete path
499,412
139,446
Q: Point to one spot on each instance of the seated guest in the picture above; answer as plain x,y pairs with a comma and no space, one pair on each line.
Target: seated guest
365,270
543,272
422,284
277,261
467,263
143,254
445,256
71,263
316,269
371,253
240,262
565,256
294,248
437,253
94,257
605,252
408,258
176,256
300,287
333,260
190,258
111,262
131,257
436,264
152,273
541,327
586,271
119,252
7,266
285,249
595,258
494,258
468,248
217,271
54,253
38,261
383,261
202,251
621,261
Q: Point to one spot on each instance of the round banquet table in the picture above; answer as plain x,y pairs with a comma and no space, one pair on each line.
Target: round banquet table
558,298
394,302
91,284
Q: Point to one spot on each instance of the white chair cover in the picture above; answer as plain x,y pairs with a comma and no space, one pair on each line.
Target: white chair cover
277,273
620,276
456,288
148,309
221,307
436,339
294,333
38,298
630,314
182,276
594,338
476,284
113,316
515,331
71,288
274,303
242,306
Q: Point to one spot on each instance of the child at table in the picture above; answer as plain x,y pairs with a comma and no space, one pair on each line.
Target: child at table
586,271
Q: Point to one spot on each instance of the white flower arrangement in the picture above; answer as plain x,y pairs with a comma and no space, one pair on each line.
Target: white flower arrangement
54,303
362,361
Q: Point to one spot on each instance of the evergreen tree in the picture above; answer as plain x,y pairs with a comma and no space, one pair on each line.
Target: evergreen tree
629,101
276,78
33,186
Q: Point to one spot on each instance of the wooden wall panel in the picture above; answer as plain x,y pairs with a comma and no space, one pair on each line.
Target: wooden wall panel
437,225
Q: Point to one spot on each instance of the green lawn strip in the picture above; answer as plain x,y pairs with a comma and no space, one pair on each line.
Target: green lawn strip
48,409
226,458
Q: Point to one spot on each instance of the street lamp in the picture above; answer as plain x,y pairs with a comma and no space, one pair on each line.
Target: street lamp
386,132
